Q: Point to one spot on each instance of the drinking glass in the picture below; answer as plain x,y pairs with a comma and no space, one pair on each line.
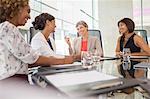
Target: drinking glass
126,59
95,57
86,59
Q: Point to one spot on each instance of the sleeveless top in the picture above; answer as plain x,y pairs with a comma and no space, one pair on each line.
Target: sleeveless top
133,48
130,44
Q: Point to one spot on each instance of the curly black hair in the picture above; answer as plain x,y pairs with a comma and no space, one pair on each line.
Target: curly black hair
10,8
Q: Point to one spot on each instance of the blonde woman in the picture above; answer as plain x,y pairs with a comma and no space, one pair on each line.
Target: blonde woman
84,42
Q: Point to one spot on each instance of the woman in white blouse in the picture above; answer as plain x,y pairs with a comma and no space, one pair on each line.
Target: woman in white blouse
42,41
15,54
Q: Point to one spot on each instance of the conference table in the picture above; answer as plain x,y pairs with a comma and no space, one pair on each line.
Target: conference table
134,82
126,84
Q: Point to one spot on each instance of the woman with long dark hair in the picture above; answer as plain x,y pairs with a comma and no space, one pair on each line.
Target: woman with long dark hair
129,39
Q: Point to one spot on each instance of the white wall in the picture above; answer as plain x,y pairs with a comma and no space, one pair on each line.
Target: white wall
110,12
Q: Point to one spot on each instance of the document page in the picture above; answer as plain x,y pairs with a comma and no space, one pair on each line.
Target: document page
67,79
108,58
139,57
66,65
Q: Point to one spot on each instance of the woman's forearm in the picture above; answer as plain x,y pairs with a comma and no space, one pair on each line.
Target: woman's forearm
140,54
47,61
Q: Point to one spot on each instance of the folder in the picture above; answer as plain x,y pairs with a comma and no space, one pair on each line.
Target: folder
107,84
60,69
142,65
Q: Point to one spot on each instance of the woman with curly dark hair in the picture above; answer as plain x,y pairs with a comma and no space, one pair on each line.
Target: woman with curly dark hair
15,54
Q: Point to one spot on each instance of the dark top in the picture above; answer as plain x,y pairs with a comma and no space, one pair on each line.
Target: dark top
130,44
133,48
50,44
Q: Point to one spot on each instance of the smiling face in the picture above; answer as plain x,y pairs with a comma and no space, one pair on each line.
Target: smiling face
82,30
123,28
53,26
50,25
23,15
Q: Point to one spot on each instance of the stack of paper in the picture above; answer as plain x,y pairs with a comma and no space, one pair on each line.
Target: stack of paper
75,78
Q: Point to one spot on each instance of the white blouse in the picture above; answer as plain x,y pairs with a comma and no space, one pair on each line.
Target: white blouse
40,44
15,53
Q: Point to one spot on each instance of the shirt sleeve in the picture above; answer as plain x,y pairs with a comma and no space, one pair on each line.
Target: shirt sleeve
19,47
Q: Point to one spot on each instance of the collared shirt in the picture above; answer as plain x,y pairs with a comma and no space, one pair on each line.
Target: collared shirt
40,44
15,53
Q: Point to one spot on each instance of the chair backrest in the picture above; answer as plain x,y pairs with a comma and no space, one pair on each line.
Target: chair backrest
96,33
33,32
142,33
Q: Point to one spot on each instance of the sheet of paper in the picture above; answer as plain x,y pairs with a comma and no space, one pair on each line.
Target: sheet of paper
139,56
108,58
65,65
67,79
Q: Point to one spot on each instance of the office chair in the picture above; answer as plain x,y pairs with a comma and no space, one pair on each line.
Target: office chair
143,34
25,34
96,33
33,32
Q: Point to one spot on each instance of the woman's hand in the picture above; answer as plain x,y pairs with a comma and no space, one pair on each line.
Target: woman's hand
69,59
119,54
67,39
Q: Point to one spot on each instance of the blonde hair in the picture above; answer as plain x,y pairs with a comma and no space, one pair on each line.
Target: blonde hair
10,8
82,23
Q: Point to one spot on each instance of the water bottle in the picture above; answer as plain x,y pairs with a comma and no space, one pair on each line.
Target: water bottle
126,59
